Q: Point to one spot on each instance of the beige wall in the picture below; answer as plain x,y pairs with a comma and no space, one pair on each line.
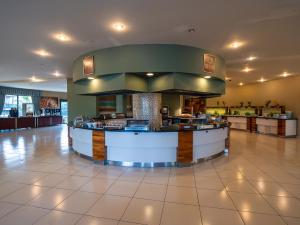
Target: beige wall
283,91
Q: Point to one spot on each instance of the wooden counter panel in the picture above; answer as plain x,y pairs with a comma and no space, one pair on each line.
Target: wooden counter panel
25,122
281,127
99,148
43,121
251,124
7,123
185,147
56,120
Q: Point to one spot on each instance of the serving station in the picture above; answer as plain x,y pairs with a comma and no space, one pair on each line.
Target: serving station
269,119
127,105
165,147
265,125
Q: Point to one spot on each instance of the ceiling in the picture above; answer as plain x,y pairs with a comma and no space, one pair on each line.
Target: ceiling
269,30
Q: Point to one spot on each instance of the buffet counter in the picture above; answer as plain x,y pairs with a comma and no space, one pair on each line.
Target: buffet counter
265,125
29,122
149,148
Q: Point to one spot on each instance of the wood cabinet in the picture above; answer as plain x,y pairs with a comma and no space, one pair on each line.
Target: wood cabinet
251,124
55,120
29,122
25,122
7,123
99,148
281,127
185,147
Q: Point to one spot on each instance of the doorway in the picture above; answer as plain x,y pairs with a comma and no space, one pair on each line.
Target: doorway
64,110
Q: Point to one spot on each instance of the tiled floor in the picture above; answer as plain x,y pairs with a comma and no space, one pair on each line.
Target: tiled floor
42,182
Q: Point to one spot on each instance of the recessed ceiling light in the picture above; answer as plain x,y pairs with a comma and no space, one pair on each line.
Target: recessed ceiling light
42,52
262,80
150,74
251,58
247,69
285,74
241,84
62,37
235,44
90,78
57,74
207,77
119,26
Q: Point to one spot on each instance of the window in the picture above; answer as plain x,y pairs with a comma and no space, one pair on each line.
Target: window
14,101
11,101
21,101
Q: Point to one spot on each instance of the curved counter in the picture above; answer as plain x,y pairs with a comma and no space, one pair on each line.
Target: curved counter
149,149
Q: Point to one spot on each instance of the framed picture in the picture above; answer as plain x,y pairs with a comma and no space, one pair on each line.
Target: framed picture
209,63
49,102
88,65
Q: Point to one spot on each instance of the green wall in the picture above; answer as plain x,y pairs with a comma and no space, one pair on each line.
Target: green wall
137,83
174,103
78,104
157,58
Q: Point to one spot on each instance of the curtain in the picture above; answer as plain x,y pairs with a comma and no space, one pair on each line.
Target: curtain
19,91
36,103
2,100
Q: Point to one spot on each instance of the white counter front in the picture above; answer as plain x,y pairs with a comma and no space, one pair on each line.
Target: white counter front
208,143
82,141
149,148
238,122
141,146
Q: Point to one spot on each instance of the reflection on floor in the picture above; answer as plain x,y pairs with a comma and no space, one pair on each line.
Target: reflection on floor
42,182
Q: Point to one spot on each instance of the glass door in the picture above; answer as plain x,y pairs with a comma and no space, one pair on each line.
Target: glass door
64,110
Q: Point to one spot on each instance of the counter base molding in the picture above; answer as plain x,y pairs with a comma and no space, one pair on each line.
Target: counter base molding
149,149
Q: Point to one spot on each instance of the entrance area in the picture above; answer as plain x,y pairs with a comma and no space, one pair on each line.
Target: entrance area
64,110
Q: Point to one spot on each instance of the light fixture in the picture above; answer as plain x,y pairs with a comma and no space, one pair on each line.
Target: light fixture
251,58
235,44
285,74
118,26
42,52
262,80
241,84
247,69
57,74
227,78
91,78
62,37
207,77
150,74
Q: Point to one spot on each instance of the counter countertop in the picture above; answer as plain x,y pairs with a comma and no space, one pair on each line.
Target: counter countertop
261,117
29,117
163,129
